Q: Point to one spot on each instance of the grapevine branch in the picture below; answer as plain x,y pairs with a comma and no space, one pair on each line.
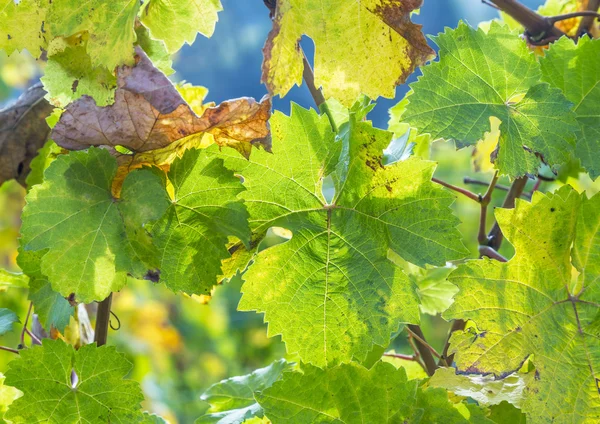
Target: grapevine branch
494,240
426,352
586,23
102,321
539,29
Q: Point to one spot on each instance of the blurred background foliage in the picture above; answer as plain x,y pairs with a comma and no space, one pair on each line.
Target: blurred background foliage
180,345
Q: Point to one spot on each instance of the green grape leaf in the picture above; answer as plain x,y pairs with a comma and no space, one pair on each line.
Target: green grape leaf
330,291
12,280
484,389
531,308
110,25
8,394
480,76
52,309
507,413
152,419
61,384
177,22
351,394
22,25
232,400
70,75
156,51
85,232
7,319
365,47
436,294
192,234
23,131
575,70
45,156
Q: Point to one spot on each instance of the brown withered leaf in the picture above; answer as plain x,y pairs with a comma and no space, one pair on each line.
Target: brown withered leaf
150,116
23,131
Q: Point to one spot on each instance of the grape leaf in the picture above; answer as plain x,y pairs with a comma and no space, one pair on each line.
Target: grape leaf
232,400
153,115
22,26
23,131
88,237
330,291
61,384
507,413
192,234
7,319
52,309
8,394
483,75
361,47
530,308
189,17
152,419
350,394
70,75
575,70
12,279
156,51
109,24
484,389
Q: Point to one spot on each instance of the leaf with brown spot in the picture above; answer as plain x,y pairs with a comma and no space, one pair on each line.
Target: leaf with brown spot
23,131
366,47
150,116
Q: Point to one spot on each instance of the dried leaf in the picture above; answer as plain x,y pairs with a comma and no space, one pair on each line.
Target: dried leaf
23,130
150,114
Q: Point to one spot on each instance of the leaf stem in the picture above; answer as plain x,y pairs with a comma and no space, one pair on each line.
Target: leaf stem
102,321
24,330
9,349
34,338
426,352
457,189
401,356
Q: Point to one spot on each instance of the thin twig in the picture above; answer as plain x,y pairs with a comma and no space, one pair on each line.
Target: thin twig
9,349
34,338
426,352
460,190
102,321
26,323
469,180
585,26
565,16
401,356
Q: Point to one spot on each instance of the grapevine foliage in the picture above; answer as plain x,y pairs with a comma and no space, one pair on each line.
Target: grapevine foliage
531,307
61,384
130,176
330,291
